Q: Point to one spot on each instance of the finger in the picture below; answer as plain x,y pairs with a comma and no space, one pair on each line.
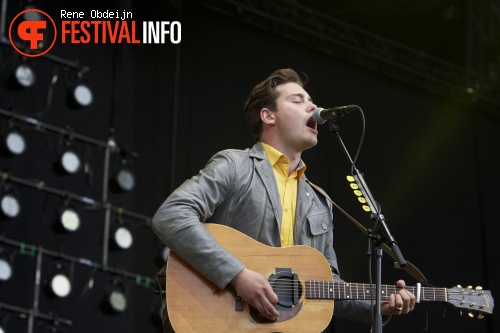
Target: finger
271,308
409,299
399,305
272,297
392,301
269,311
401,283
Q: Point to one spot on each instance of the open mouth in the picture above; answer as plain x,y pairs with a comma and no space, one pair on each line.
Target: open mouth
312,124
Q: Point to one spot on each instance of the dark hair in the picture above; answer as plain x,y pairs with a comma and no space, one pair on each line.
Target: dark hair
264,95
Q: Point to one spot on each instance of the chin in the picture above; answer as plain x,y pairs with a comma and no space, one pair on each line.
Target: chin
310,144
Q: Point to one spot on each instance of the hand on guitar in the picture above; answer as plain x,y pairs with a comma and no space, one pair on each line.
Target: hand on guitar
254,289
401,303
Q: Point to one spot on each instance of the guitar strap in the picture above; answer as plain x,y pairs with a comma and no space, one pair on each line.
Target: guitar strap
410,268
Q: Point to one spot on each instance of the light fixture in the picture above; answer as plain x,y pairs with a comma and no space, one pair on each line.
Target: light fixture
68,219
6,270
123,178
23,76
59,283
115,300
68,161
121,236
79,94
13,142
9,203
31,13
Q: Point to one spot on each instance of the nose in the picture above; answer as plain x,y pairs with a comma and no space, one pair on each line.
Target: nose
312,107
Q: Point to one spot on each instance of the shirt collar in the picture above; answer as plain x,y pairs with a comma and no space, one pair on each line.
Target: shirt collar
275,156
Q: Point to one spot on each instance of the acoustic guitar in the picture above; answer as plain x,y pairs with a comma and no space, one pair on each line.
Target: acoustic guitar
299,275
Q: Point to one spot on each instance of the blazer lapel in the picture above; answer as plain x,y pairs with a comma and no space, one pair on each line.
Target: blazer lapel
265,171
304,200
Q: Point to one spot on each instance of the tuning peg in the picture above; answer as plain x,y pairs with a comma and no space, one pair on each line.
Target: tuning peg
480,316
469,287
461,313
479,288
459,286
471,315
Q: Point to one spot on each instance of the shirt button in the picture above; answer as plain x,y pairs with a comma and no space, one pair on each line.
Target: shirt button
324,226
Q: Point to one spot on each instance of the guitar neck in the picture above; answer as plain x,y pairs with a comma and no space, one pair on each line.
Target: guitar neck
364,291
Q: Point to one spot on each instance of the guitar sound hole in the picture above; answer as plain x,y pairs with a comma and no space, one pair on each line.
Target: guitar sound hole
288,288
288,291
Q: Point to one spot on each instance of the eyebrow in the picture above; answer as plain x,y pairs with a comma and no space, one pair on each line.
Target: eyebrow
301,96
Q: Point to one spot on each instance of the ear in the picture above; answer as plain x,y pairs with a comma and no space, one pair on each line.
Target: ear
267,116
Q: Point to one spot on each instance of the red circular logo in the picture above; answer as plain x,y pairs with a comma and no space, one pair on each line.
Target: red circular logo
32,33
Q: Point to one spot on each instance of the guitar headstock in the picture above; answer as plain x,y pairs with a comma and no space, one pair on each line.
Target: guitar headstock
472,300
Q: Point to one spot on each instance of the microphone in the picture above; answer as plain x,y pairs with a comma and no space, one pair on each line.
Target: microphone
321,115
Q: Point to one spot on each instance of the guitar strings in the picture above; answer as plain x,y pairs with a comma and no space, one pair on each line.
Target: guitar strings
328,290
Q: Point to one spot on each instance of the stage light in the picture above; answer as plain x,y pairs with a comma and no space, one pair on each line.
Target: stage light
59,282
68,220
32,15
30,6
13,142
24,75
123,178
5,269
82,95
123,238
115,300
79,94
68,161
9,203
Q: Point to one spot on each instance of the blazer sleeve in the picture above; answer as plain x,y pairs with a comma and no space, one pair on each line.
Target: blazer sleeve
179,221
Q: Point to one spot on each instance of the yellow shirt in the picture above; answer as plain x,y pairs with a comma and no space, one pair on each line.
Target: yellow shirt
287,187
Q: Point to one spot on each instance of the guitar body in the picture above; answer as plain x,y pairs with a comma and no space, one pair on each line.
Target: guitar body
196,305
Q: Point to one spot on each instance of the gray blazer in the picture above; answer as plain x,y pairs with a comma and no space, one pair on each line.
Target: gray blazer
238,188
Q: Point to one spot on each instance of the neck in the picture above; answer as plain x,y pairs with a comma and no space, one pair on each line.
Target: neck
292,155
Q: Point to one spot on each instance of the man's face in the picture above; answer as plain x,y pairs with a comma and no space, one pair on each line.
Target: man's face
295,127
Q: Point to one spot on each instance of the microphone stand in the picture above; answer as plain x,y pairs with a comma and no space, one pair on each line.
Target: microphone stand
374,238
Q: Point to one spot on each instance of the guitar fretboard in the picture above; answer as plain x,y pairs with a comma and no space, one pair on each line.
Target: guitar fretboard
364,291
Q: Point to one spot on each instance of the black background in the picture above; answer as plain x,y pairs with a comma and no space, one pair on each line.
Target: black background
430,161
